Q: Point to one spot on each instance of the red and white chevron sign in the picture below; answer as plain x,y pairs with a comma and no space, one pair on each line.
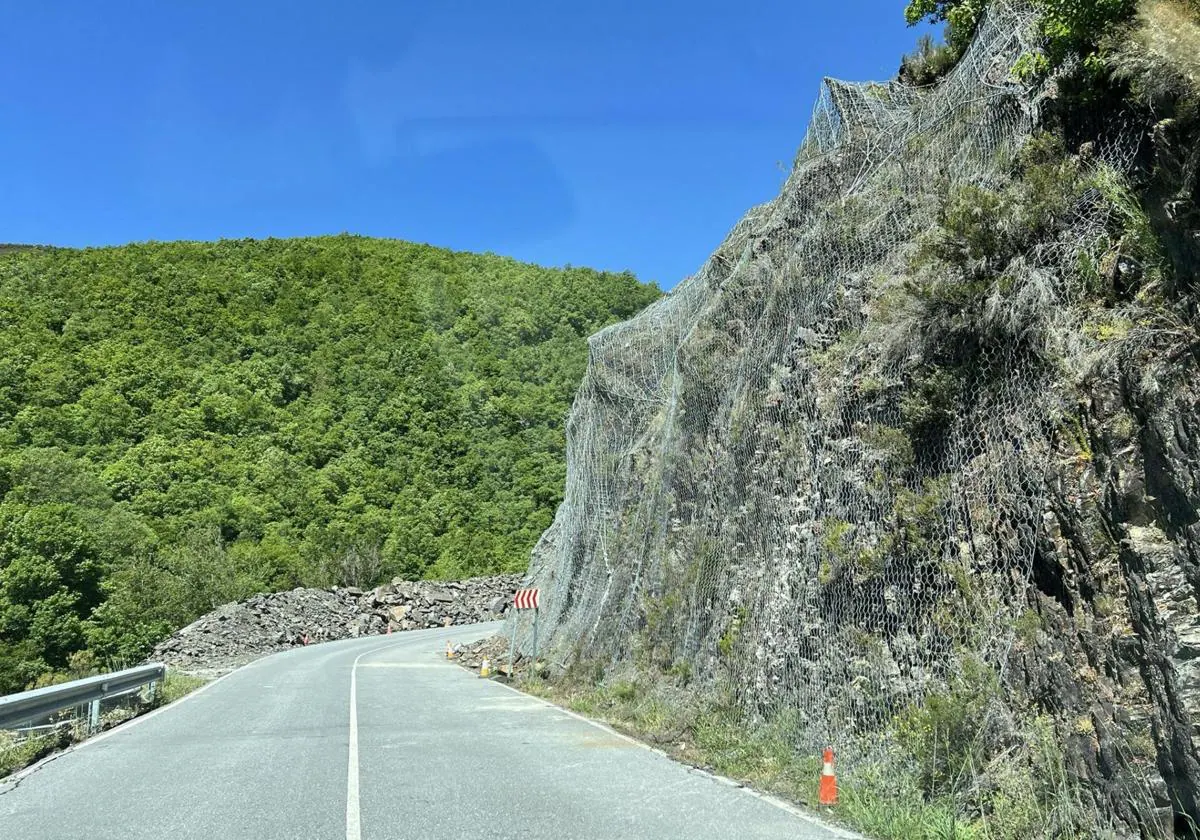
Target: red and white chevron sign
526,599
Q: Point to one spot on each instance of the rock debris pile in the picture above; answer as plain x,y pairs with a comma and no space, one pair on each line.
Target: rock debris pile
494,649
239,632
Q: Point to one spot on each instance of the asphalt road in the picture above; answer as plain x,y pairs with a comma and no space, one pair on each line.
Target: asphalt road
377,738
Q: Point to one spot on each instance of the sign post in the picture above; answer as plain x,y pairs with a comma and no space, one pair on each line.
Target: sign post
512,645
524,599
533,667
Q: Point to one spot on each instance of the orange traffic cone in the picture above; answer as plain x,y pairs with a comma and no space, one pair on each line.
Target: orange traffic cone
449,650
485,669
827,795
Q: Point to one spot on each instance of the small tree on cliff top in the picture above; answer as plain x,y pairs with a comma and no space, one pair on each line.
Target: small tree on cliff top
1069,26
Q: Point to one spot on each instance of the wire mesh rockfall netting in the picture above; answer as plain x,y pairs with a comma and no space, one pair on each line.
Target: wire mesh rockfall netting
740,497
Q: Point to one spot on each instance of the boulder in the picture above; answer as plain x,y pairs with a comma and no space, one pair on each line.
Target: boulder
497,605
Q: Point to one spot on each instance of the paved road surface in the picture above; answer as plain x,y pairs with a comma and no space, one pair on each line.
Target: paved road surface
426,750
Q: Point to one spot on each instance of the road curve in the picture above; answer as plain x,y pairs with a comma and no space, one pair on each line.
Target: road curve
276,751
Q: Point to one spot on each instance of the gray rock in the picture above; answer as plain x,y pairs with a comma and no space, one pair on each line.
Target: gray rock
235,633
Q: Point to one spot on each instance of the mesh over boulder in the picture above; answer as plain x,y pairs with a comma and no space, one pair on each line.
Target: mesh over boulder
739,495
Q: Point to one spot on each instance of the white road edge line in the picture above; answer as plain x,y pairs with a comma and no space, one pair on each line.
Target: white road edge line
353,812
836,831
12,780
17,777
353,817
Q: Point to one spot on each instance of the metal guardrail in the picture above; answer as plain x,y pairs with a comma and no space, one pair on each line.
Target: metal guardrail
29,706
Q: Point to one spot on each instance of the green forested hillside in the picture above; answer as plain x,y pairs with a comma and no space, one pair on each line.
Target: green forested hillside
183,424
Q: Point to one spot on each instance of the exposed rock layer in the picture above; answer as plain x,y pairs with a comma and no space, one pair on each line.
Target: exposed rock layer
861,453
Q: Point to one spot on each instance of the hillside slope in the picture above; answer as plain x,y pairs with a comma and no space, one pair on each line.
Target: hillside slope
185,424
910,467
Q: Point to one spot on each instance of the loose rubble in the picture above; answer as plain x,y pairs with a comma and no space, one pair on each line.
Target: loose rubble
236,633
494,649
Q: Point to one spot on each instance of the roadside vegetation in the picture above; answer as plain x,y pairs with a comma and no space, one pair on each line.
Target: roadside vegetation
17,753
187,424
178,685
955,772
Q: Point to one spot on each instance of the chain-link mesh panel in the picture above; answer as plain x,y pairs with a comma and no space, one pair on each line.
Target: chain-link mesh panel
739,496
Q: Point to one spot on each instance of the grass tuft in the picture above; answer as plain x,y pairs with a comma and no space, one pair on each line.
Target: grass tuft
1171,29
177,685
1160,53
16,755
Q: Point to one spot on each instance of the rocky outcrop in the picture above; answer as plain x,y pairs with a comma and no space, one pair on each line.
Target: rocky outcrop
1115,588
923,427
237,633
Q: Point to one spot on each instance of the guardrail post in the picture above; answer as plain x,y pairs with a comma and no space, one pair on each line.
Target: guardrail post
93,716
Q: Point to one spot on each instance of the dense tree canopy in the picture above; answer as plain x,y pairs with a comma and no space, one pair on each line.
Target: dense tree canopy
184,424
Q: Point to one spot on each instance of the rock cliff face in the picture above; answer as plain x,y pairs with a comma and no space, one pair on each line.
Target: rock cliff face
1115,586
925,425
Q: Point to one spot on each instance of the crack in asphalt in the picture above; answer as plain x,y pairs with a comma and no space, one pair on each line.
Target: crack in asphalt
13,782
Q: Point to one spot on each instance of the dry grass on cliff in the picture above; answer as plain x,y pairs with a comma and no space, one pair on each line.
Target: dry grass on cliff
1160,54
1171,29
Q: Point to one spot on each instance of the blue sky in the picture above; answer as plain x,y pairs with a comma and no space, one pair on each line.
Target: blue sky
615,134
